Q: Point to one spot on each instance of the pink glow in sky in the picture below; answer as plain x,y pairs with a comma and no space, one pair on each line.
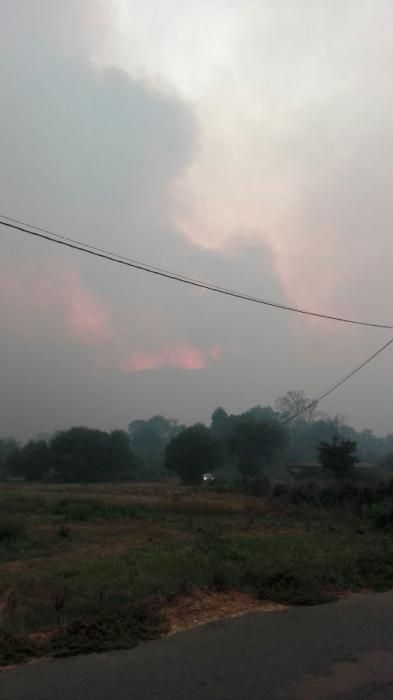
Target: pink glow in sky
58,294
87,317
248,144
180,356
53,292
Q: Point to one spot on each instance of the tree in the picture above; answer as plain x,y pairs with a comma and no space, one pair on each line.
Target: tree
7,447
149,438
262,413
388,443
83,454
253,443
305,437
301,411
294,402
338,456
220,422
370,445
193,452
32,461
121,455
386,462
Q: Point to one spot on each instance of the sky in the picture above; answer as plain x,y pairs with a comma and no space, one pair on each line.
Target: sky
246,144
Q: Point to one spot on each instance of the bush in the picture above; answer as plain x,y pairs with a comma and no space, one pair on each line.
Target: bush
281,491
348,494
308,493
375,569
120,629
16,648
290,585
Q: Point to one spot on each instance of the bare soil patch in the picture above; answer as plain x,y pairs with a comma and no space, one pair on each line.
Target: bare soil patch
202,607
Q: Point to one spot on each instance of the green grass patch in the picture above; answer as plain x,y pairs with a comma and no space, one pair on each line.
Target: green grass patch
69,601
83,510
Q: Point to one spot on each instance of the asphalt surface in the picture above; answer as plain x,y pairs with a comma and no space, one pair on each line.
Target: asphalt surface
341,650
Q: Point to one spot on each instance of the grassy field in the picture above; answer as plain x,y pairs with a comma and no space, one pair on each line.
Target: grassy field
86,568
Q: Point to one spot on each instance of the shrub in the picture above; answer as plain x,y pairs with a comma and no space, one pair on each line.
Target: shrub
291,585
338,456
119,629
281,491
375,569
16,648
305,494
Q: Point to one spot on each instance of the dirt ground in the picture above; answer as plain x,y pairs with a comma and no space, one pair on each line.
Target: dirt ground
202,607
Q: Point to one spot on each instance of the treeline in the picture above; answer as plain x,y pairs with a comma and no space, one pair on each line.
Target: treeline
260,441
75,455
242,445
302,435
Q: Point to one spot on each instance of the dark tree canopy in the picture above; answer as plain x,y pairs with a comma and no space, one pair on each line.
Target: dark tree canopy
262,413
33,461
148,438
193,452
386,462
220,422
253,442
83,454
339,455
8,446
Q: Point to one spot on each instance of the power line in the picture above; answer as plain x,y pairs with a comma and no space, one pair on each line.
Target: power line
167,274
93,247
129,262
338,383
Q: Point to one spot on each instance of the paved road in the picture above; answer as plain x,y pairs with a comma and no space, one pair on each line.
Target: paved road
342,650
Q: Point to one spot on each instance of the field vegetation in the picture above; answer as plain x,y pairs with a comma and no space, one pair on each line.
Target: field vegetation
99,566
109,538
